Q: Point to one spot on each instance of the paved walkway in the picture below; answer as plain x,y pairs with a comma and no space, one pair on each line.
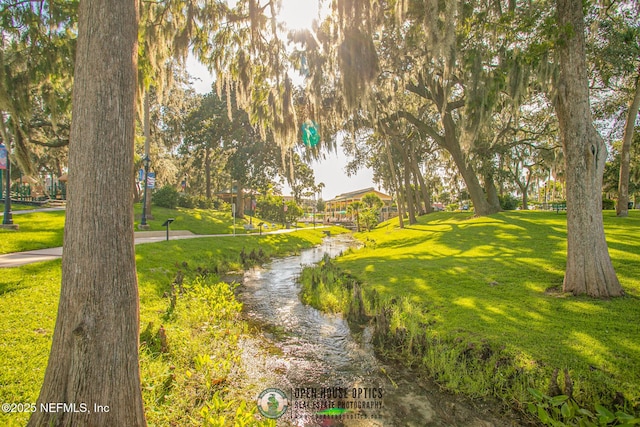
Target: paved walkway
17,259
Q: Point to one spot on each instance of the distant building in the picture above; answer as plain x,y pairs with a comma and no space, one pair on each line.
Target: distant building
336,208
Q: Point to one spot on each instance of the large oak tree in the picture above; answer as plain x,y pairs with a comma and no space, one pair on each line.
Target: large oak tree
94,355
589,269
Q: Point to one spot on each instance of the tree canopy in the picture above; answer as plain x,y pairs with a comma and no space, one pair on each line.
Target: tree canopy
453,101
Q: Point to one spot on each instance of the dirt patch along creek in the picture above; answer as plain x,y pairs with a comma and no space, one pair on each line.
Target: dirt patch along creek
329,374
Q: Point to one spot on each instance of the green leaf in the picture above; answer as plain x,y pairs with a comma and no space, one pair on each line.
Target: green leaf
536,394
627,418
567,411
605,415
558,400
542,415
586,423
586,412
633,421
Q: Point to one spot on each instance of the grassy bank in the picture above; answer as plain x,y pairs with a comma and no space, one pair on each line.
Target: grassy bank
477,303
190,370
40,230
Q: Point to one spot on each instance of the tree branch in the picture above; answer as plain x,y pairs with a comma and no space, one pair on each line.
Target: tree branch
59,143
422,126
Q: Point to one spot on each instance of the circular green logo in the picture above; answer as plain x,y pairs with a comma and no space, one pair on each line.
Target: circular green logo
272,403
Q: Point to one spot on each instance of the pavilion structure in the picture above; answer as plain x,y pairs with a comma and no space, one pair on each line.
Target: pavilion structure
336,208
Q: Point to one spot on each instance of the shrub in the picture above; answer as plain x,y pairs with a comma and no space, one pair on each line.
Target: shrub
223,206
271,208
608,204
190,202
166,197
204,203
186,201
562,410
369,218
508,202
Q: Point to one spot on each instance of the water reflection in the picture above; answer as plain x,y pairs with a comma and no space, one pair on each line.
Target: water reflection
325,369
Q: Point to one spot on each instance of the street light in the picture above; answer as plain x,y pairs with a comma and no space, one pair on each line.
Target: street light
5,163
143,221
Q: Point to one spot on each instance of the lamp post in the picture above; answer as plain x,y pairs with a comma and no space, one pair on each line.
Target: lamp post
143,221
5,163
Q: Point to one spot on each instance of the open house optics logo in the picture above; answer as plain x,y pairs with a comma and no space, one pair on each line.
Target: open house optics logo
272,403
321,403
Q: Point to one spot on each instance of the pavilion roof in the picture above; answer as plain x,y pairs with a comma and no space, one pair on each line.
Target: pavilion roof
362,192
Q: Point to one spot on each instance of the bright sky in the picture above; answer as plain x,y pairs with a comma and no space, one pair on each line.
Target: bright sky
331,172
299,14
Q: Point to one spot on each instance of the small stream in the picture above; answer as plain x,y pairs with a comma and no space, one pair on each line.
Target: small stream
330,375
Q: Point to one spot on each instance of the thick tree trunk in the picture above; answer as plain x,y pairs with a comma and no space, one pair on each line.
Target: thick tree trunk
417,192
492,193
450,142
396,184
423,196
408,191
525,197
481,205
424,189
622,208
476,192
400,204
589,269
409,194
93,364
524,188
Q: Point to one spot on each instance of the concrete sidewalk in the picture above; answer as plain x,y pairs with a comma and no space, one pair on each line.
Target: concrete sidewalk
17,259
26,211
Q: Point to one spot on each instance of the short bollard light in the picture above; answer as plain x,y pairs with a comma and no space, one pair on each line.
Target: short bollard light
260,227
166,224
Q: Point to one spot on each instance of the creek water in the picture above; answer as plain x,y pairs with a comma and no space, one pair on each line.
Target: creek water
330,374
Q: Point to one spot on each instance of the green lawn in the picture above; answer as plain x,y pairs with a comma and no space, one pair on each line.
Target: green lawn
198,221
17,206
182,387
496,281
42,230
39,230
465,284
